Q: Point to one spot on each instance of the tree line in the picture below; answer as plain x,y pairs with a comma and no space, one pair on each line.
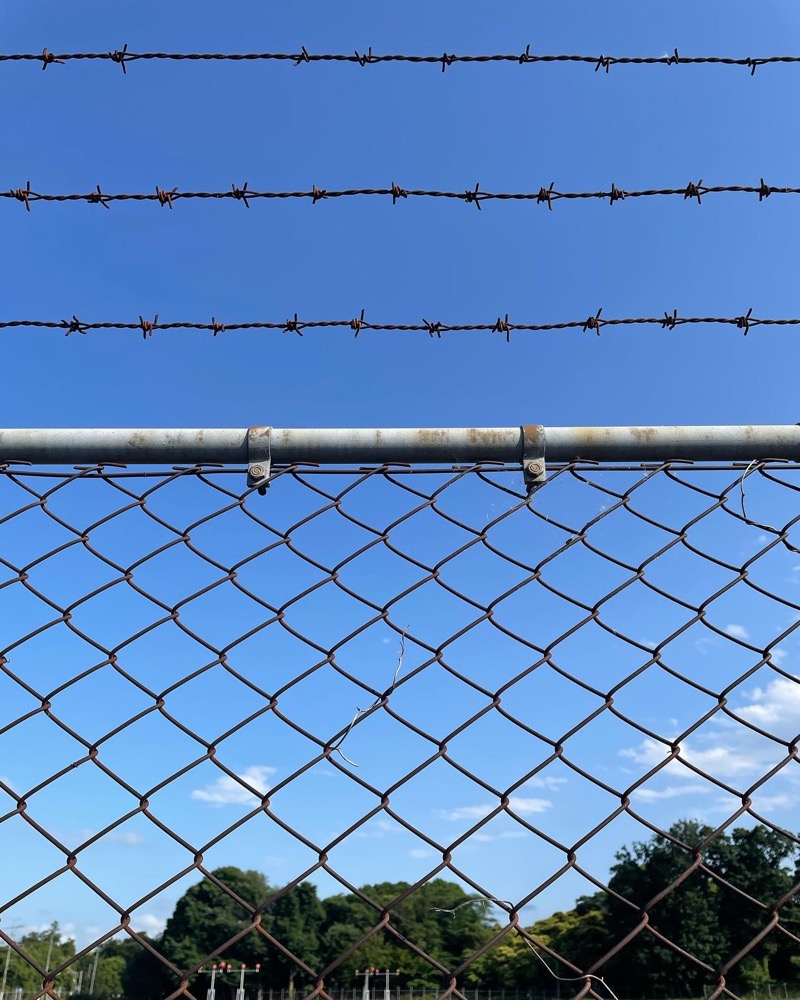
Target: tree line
748,876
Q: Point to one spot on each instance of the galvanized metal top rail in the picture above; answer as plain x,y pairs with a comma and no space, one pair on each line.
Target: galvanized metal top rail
400,444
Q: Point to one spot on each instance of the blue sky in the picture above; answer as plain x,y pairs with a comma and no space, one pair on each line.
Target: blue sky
508,127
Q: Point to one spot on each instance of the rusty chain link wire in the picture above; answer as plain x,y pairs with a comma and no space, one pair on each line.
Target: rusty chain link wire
595,322
552,627
166,197
369,58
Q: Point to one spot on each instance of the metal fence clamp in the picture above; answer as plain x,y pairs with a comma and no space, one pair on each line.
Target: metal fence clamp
259,458
533,463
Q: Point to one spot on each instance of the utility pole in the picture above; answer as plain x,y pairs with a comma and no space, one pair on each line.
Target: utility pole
94,969
16,927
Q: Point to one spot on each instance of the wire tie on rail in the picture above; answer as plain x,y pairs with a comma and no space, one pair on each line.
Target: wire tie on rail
147,327
669,322
694,191
23,195
743,322
503,326
73,326
357,323
434,329
473,196
303,57
293,326
120,56
546,195
48,59
398,192
217,327
594,322
98,198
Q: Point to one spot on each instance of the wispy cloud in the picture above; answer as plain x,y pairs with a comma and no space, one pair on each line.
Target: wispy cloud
670,792
421,852
518,804
726,749
149,923
737,631
130,838
225,790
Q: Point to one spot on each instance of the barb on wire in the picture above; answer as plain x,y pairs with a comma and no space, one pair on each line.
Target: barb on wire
446,59
471,196
337,747
668,321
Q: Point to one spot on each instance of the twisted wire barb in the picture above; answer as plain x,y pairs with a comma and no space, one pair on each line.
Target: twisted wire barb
369,58
504,326
165,197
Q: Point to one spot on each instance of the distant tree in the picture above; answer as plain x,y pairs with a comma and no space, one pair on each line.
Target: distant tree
701,915
296,922
428,918
39,945
206,917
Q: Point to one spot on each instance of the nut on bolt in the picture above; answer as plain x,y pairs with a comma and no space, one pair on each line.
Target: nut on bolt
535,468
257,471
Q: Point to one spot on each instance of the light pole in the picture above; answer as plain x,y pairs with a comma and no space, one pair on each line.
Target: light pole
243,972
386,993
366,974
210,990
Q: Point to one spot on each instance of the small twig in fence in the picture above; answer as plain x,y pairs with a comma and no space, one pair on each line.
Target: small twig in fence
560,979
756,524
363,711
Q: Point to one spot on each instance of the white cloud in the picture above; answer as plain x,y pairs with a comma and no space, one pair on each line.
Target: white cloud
225,790
148,923
737,631
421,852
130,838
726,749
518,804
544,781
670,792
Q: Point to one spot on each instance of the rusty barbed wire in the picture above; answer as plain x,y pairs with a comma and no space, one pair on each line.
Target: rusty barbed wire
502,325
520,610
369,58
471,196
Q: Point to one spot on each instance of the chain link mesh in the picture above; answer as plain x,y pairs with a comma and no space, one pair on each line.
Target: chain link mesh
393,673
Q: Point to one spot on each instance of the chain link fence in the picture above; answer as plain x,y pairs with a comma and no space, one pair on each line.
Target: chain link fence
422,695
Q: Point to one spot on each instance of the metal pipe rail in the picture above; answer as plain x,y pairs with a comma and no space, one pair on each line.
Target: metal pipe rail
528,445
132,446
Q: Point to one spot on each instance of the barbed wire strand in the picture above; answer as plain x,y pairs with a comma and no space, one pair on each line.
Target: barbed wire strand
122,57
166,197
502,325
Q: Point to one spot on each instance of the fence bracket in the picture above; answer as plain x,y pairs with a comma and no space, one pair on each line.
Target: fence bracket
533,464
259,458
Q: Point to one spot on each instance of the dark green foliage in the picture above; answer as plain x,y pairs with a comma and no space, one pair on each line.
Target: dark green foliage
721,896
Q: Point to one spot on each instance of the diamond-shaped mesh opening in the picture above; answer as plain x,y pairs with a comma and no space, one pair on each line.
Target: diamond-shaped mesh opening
376,720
